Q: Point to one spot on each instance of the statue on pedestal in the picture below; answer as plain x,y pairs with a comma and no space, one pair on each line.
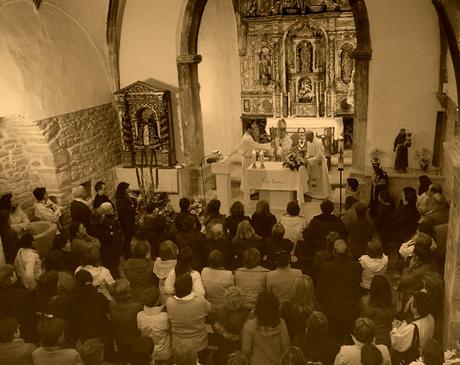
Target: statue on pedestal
401,147
265,66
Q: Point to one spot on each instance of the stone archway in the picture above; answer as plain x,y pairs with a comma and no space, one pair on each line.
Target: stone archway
26,160
187,64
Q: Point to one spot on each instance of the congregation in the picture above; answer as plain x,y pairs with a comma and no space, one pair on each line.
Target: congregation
164,287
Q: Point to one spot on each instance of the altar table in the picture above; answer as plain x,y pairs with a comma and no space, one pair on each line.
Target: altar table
276,183
313,123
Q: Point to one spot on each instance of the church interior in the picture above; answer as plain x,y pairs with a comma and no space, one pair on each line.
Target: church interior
159,94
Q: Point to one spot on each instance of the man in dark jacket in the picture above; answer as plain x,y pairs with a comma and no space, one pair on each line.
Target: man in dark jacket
101,195
320,226
79,210
339,291
360,231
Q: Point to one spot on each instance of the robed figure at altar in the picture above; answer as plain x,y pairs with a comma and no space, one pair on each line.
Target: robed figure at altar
317,172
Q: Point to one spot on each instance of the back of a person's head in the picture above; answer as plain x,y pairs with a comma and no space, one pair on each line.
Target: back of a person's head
47,283
98,186
371,355
184,353
78,191
8,329
317,324
282,259
361,210
422,303
330,240
435,189
303,293
353,183
237,209
293,208
188,224
267,310
140,247
278,230
121,190
410,195
216,259
380,292
92,351
233,298
251,258
51,331
340,248
423,240
327,207
84,279
263,208
424,184
183,285
6,275
97,215
374,249
426,226
213,207
217,231
184,203
293,356
185,261
151,296
432,352
120,290
168,250
39,193
237,358
26,240
244,231
423,253
364,330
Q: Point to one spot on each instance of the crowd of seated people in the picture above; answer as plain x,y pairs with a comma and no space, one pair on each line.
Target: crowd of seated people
235,289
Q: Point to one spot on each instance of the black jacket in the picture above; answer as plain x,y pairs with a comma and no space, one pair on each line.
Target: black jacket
80,212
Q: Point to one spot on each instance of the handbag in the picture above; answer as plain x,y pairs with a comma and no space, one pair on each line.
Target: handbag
411,354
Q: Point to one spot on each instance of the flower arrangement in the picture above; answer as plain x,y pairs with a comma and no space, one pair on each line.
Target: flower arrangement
294,160
196,206
424,158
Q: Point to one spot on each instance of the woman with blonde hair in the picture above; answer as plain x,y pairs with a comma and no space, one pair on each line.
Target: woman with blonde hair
297,310
293,356
245,237
229,322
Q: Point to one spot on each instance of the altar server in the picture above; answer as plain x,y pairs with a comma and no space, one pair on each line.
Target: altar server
316,164
249,144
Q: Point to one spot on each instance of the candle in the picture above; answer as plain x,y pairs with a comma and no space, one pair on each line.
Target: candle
325,103
281,104
273,105
262,157
289,105
254,157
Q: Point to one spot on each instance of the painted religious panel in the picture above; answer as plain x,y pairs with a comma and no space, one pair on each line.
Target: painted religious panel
146,123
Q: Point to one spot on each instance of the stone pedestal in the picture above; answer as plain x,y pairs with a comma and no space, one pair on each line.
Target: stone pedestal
222,171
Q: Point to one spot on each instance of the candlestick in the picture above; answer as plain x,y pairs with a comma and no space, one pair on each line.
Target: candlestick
262,159
325,103
281,105
289,105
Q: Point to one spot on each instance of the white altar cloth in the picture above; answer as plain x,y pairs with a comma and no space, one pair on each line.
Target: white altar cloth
308,123
275,177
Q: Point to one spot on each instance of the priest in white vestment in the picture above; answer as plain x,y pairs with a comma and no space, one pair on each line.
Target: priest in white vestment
249,144
283,141
317,172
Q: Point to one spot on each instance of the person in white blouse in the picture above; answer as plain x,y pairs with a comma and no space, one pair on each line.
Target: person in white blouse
19,220
45,209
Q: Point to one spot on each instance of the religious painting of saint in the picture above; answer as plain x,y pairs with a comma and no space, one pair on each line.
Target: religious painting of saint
146,129
305,90
346,63
304,57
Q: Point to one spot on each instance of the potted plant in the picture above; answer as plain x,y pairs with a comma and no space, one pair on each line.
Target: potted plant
424,158
375,155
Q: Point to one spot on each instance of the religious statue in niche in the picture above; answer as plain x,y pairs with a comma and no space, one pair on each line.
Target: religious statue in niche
346,63
304,57
146,129
401,148
265,66
304,90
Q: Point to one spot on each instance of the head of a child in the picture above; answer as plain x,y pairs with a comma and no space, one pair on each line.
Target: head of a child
374,249
151,297
51,331
168,250
352,184
92,351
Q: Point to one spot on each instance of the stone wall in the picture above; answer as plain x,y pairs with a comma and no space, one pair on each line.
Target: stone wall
86,145
25,160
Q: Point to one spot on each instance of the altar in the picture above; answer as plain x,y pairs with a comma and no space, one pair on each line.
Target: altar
276,183
312,123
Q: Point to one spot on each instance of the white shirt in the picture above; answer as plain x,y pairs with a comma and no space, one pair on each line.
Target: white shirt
401,336
153,322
